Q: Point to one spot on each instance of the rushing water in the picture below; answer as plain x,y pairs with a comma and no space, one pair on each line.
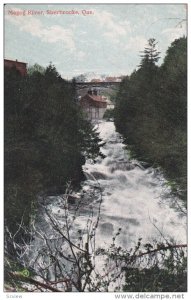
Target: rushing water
134,199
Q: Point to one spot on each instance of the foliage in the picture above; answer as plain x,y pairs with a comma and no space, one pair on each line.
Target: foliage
167,275
65,258
151,112
109,114
81,78
110,93
150,54
35,68
46,139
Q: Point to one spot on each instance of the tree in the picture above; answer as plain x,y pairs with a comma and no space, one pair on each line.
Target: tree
174,83
65,257
81,78
150,53
35,68
151,114
46,140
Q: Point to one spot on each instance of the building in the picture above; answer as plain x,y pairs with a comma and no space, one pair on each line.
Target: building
93,105
20,66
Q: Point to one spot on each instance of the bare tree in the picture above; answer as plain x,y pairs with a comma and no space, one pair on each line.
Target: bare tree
64,258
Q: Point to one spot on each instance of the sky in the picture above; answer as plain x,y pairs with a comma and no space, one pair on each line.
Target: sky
101,38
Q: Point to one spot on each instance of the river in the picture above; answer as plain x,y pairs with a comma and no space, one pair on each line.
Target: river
133,198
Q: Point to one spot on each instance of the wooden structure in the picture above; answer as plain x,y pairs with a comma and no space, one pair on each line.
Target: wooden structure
14,64
93,105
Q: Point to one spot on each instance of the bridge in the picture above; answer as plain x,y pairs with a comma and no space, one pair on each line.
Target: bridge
102,84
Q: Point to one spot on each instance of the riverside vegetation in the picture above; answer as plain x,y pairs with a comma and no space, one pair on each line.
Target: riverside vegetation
151,113
46,143
46,140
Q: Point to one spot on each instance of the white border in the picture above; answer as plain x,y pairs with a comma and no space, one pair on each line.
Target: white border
104,296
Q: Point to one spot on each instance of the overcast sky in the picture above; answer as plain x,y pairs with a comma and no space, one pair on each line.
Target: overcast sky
107,41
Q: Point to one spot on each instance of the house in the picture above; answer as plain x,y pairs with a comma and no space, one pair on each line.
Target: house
93,104
20,66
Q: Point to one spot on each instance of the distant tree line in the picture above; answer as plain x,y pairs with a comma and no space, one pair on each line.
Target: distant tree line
46,139
151,112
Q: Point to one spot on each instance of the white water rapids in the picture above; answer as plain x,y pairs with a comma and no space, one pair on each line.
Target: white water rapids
134,199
